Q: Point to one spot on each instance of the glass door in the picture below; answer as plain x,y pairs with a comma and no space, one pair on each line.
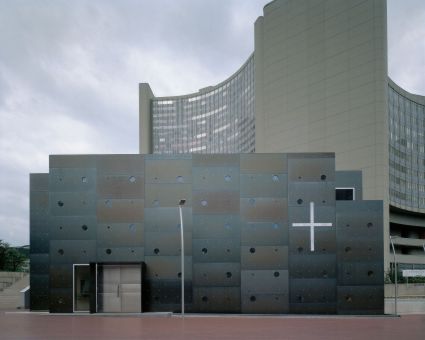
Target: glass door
81,289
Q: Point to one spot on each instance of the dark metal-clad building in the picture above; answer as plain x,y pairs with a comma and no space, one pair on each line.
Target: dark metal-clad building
264,233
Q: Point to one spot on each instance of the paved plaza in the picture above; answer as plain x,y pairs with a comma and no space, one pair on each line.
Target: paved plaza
45,326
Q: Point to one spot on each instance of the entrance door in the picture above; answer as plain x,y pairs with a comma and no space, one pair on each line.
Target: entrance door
81,288
119,289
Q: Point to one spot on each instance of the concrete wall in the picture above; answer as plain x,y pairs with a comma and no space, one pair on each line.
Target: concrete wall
321,85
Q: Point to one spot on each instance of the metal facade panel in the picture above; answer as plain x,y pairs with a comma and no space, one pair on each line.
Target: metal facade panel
357,273
120,210
361,299
324,240
311,290
120,186
72,203
167,267
217,274
263,185
264,282
301,214
165,292
120,235
39,242
72,227
120,254
264,209
71,251
39,203
302,193
215,160
72,180
306,266
264,257
311,167
39,264
61,275
39,182
167,195
216,226
60,300
121,164
264,233
222,202
217,299
264,304
215,179
263,163
167,219
216,250
72,161
168,171
167,243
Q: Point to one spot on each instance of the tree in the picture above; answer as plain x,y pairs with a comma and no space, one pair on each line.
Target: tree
10,258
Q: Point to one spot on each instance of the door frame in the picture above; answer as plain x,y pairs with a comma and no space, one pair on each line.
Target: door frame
73,287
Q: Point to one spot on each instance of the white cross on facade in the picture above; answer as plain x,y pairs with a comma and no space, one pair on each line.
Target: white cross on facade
312,224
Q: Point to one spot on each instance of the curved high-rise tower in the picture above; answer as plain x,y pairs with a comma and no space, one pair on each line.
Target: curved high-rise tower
316,82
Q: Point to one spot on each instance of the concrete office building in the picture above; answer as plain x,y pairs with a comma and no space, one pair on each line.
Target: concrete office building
263,234
317,81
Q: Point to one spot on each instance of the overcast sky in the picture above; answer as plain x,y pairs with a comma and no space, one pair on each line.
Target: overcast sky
69,74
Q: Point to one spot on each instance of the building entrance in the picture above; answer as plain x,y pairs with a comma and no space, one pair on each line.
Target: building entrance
119,288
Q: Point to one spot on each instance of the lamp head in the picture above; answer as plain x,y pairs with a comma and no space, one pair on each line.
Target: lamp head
182,202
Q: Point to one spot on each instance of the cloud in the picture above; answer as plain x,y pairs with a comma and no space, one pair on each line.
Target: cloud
69,74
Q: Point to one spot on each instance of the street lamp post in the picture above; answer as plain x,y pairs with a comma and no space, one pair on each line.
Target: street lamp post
181,203
395,274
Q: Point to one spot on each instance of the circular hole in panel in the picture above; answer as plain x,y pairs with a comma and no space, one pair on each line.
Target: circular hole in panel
370,249
276,298
276,274
204,203
347,225
132,250
275,178
252,298
323,201
228,250
323,177
370,225
108,203
179,274
252,201
204,250
132,179
108,251
156,298
60,228
276,250
60,301
60,179
299,201
347,249
156,251
61,252
60,203
227,178
228,275
300,249
252,250
84,179
179,179
370,273
205,298
84,251
299,177
84,227
348,298
132,227
109,227
300,298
